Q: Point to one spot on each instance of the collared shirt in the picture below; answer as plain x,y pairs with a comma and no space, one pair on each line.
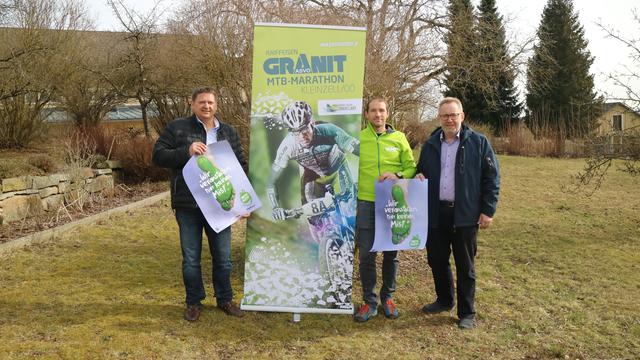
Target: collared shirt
448,168
212,134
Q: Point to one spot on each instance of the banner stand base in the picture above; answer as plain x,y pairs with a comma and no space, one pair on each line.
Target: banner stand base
296,317
296,310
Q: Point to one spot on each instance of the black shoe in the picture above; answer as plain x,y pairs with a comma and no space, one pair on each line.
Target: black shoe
435,308
467,322
192,313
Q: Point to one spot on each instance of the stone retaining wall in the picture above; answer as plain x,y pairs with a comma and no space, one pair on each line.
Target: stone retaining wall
26,196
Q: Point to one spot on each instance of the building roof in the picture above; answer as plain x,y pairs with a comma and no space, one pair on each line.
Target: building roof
129,112
125,112
610,105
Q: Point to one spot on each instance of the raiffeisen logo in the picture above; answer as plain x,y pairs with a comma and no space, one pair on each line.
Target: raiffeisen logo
339,107
303,65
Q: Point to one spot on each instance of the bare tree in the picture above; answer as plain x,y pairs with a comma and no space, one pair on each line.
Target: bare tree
141,33
624,145
217,50
35,47
629,76
404,56
405,53
86,94
604,150
33,30
174,77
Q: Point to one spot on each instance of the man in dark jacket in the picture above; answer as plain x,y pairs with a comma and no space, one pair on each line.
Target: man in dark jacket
180,140
464,182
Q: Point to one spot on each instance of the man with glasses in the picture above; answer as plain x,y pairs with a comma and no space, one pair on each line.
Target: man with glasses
464,182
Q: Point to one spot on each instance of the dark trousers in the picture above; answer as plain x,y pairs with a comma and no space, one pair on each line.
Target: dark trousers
191,222
463,242
365,231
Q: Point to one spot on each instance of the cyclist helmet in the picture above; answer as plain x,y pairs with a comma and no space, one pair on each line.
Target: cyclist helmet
297,115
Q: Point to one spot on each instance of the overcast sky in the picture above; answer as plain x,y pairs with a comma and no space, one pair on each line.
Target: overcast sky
522,20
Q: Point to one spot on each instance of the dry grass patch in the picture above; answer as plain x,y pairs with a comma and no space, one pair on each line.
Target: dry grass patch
558,277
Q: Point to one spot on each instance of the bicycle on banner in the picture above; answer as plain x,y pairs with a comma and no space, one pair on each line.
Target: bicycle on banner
334,233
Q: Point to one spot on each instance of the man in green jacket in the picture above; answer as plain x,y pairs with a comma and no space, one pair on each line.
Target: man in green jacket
384,154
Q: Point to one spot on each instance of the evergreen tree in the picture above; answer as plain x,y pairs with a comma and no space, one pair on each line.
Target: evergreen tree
560,93
462,42
496,75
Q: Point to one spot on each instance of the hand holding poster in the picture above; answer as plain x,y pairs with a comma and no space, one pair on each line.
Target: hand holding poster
401,215
220,186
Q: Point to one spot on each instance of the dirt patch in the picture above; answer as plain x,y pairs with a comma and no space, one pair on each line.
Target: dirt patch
99,202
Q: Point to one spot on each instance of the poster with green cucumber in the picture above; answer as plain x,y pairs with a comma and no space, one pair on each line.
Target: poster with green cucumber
220,186
401,215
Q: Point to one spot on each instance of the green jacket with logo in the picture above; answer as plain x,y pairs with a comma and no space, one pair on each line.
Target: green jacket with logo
387,152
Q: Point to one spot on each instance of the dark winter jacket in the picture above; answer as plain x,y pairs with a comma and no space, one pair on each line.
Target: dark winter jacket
172,151
477,177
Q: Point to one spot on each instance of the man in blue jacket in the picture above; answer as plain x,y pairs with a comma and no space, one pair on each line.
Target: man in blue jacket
464,182
180,140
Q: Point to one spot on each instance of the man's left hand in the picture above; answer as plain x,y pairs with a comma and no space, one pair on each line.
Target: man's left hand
484,221
387,176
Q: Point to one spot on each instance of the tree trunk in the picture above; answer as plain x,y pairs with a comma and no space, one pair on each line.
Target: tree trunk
145,120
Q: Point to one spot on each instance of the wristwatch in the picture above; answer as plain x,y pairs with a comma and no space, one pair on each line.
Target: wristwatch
399,175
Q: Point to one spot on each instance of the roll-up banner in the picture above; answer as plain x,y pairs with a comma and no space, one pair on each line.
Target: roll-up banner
305,119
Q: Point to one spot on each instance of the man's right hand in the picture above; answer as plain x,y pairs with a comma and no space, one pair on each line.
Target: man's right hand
278,214
197,148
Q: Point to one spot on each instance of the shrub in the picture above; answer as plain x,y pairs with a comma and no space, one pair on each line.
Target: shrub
103,140
101,162
80,153
519,140
5,172
169,107
21,122
483,129
43,162
416,131
80,149
134,154
18,168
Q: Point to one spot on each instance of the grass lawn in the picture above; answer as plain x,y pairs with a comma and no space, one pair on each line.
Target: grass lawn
558,277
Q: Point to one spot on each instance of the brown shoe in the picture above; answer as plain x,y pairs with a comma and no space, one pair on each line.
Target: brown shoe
192,313
232,309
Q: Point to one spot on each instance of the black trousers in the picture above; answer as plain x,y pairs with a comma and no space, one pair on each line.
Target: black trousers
463,241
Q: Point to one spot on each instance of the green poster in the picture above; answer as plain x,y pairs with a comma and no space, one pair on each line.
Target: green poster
305,119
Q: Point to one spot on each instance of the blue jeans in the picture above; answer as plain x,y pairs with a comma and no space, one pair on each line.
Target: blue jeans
191,222
365,232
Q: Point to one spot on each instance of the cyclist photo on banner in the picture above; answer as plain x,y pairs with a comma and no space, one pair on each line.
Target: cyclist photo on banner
312,156
328,193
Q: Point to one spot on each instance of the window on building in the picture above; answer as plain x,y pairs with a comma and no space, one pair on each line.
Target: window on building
617,123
